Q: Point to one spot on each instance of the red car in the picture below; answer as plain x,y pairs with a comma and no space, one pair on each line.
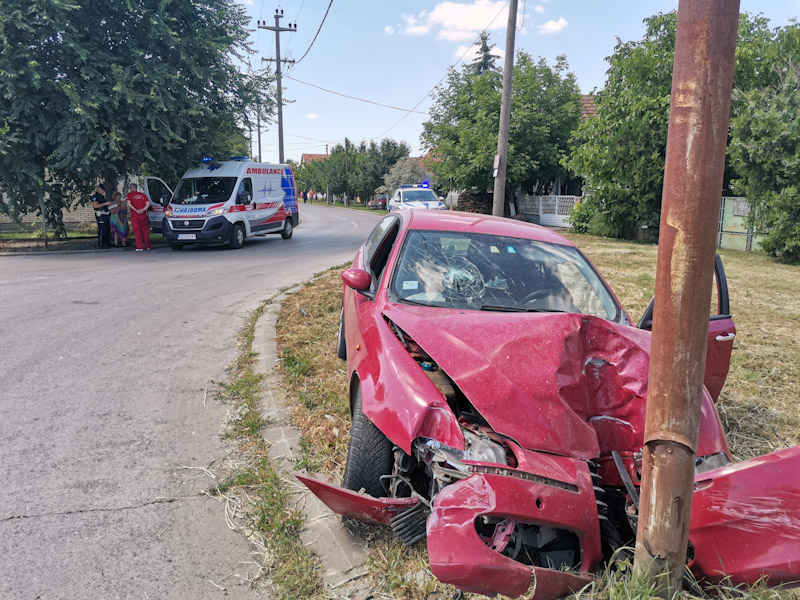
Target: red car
497,393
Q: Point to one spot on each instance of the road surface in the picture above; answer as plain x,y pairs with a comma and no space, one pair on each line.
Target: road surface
104,362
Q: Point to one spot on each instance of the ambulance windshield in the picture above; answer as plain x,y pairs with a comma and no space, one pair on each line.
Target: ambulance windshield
204,190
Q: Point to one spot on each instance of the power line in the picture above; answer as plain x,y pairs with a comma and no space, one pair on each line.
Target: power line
353,97
316,34
445,75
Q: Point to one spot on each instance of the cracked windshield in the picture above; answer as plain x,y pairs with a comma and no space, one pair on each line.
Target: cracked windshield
490,272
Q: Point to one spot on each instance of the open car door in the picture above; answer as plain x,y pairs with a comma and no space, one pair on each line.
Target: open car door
155,189
721,333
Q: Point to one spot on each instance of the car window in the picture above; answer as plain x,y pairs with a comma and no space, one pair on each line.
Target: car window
246,187
373,243
489,272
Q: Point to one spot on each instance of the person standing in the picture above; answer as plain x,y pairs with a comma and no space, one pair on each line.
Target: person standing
303,196
119,221
139,203
102,215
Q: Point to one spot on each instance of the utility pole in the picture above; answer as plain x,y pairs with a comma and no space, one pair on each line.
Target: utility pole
499,198
258,125
346,173
277,60
327,191
702,78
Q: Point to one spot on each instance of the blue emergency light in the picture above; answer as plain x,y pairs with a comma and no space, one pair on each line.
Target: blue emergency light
211,162
240,158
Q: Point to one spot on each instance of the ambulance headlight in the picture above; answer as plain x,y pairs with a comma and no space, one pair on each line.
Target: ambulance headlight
215,211
168,211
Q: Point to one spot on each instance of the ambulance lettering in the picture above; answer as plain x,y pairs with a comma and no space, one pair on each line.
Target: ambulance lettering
263,171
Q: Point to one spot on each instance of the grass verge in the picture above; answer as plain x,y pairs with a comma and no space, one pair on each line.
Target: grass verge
254,489
758,404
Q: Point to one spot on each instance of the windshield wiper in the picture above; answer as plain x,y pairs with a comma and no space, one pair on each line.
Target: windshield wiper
491,307
414,302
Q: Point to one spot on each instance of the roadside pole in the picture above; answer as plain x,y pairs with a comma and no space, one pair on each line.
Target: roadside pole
498,199
698,128
278,30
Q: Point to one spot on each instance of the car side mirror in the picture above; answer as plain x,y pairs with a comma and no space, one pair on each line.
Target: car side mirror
357,279
165,199
243,198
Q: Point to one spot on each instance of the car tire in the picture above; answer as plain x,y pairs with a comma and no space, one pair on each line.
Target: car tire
288,229
176,246
370,454
237,236
341,341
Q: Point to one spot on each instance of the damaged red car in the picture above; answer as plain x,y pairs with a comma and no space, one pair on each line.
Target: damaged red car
497,394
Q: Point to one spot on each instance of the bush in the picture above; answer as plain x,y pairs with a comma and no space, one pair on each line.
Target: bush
580,216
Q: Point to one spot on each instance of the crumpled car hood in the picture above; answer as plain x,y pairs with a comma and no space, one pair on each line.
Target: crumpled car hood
564,383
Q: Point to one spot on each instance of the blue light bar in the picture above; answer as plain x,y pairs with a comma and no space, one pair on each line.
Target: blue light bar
206,159
240,158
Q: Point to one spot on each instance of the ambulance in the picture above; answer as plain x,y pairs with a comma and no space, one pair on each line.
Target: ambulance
229,201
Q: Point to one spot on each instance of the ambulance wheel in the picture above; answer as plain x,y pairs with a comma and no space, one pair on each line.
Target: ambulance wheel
237,236
175,246
288,228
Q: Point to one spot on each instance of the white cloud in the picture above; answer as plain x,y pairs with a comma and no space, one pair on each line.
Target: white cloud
312,116
538,9
389,29
553,26
457,21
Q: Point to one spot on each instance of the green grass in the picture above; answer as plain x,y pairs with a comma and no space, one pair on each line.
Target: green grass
256,485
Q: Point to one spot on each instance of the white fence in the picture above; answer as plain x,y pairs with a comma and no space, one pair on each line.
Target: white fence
547,210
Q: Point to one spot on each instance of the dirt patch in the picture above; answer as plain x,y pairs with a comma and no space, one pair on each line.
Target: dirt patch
37,245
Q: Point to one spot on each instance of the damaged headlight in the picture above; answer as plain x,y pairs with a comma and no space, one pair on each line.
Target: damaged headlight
479,448
482,449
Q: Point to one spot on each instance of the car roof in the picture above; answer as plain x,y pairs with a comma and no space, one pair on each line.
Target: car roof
477,223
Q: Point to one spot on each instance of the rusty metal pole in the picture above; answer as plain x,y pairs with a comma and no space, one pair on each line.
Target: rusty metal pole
499,195
702,79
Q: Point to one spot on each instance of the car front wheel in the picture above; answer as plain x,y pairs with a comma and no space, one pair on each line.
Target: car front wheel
237,236
370,454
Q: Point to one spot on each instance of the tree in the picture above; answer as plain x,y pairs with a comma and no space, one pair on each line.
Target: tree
621,150
765,152
371,162
93,89
407,171
462,130
485,61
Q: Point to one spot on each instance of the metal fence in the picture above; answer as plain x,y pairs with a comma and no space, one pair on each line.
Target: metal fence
733,232
547,210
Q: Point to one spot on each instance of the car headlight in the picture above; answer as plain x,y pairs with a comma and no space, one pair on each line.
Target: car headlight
482,449
168,212
215,211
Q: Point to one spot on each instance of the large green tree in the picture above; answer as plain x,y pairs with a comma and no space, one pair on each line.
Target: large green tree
621,150
371,162
765,152
462,130
93,89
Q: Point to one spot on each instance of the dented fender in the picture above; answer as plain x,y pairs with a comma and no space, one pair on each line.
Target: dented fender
745,521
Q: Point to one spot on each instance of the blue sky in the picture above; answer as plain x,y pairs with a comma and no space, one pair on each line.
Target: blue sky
395,52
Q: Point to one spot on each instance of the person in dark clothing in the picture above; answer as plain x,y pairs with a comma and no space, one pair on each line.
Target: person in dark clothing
102,215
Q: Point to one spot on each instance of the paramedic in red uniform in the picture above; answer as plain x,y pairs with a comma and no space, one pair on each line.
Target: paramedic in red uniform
139,204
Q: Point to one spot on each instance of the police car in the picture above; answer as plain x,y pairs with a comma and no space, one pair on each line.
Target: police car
415,196
230,201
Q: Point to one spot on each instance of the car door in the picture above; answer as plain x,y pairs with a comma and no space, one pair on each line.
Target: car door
721,333
359,307
155,189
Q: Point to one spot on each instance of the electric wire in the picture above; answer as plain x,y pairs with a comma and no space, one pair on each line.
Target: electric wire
316,34
354,97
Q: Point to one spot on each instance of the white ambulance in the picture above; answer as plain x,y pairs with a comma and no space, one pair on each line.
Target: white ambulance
228,202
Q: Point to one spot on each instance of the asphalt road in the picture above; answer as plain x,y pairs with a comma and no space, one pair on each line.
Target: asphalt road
104,362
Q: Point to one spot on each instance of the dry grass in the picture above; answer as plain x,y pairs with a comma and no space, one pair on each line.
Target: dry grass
758,405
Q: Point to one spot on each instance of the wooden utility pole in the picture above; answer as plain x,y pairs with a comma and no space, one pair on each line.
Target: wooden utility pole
277,60
346,173
702,79
499,198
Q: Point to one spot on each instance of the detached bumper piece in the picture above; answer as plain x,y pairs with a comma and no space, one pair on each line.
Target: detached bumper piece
357,506
746,521
526,510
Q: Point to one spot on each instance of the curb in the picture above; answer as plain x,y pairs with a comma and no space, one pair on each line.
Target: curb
62,252
342,555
